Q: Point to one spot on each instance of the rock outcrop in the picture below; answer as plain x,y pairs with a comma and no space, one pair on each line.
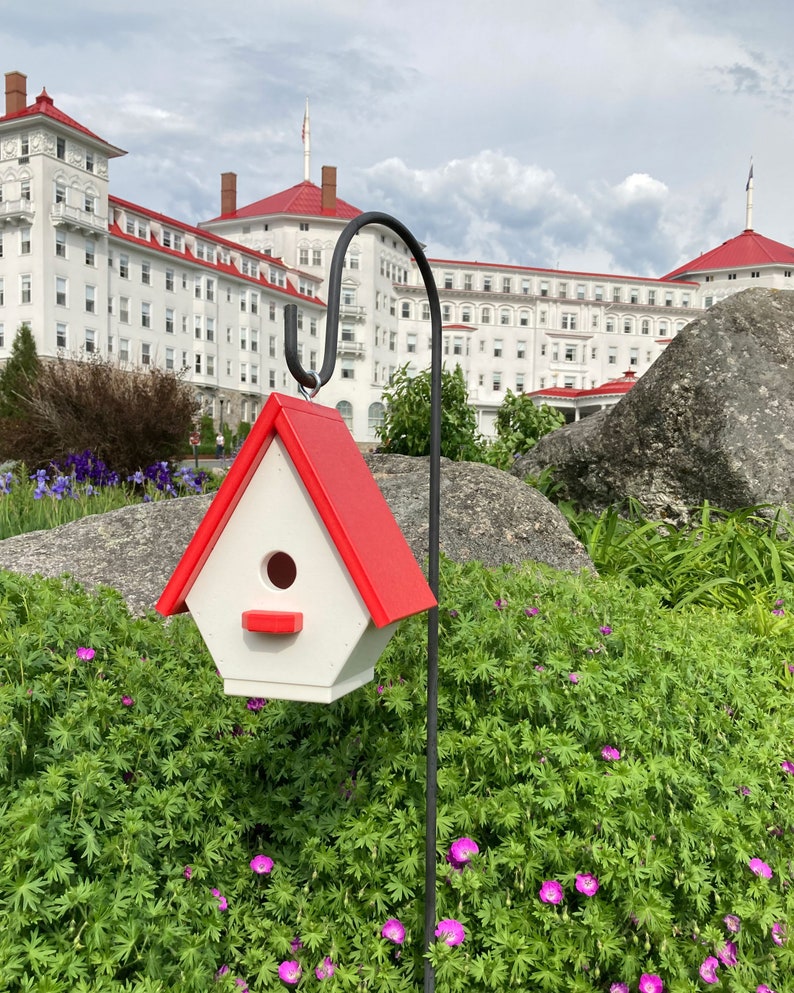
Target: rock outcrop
711,420
486,514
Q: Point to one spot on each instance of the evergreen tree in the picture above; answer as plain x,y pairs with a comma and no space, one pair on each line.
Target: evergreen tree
18,375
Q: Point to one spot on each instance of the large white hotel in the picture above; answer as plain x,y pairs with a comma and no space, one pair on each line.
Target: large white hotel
93,273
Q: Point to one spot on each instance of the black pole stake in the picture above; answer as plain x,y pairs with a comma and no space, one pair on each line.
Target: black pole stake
313,381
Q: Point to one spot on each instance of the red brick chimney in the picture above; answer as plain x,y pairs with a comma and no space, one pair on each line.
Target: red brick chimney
16,92
228,192
329,190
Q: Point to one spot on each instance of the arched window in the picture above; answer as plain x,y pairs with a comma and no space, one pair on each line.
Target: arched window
345,408
375,417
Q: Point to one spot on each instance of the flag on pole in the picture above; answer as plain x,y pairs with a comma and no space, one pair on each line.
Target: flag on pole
749,178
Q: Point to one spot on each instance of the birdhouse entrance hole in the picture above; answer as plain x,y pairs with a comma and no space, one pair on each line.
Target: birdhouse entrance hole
280,570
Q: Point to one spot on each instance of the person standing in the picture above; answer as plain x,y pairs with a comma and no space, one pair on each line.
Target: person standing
220,447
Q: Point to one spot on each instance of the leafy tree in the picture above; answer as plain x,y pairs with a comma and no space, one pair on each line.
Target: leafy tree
129,419
19,375
519,424
406,423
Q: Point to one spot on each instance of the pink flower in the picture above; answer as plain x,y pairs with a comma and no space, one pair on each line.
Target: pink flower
551,892
727,954
573,677
708,970
460,851
651,983
531,611
188,871
261,864
619,988
256,703
610,754
732,923
763,988
605,630
85,654
779,934
760,868
787,767
451,931
296,944
221,972
393,930
290,972
587,884
325,969
128,701
500,604
222,902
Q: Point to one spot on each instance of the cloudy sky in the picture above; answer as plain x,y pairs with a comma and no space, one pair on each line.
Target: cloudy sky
599,135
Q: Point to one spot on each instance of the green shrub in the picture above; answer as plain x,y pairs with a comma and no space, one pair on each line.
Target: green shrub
406,423
520,423
120,770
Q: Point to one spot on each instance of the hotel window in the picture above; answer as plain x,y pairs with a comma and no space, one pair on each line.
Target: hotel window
486,283
616,294
405,309
446,313
24,241
124,349
169,320
570,353
1,245
60,192
555,352
197,363
485,315
210,323
519,382
448,280
303,256
60,148
542,317
685,298
90,340
244,338
610,325
599,293
2,292
24,189
525,287
271,346
254,299
544,289
612,356
580,291
563,290
124,266
634,297
90,252
348,369
645,327
146,273
411,343
504,317
506,284
457,346
60,335
146,315
569,322
593,352
627,325
89,161
90,299
254,374
243,301
497,348
467,284
662,329
303,226
254,340
124,310
60,243
61,287
210,365
197,326
169,279
146,353
651,298
521,349
634,357
271,379
271,311
317,256
668,299
89,203
425,311
169,359
496,382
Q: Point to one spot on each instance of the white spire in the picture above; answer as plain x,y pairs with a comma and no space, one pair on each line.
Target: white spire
748,217
307,144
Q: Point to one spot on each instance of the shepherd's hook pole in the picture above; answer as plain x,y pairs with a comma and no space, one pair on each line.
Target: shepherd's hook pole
312,380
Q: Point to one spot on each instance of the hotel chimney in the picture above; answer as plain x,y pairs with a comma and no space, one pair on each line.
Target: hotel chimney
329,190
16,92
228,192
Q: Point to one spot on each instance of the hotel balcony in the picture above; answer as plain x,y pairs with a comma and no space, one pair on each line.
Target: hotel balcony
350,347
352,311
65,215
16,212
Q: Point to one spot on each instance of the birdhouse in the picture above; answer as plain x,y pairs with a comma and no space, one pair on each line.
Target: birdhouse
298,573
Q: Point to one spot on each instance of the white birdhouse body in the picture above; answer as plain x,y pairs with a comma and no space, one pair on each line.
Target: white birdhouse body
298,574
338,642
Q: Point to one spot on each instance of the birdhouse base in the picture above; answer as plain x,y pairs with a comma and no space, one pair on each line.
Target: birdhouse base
297,691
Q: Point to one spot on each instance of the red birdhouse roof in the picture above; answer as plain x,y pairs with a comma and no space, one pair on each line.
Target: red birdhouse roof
347,498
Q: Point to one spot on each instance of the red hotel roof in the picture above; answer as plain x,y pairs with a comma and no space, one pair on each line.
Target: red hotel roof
44,105
610,388
305,198
746,249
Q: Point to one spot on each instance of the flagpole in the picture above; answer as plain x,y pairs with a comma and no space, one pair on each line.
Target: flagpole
307,144
748,217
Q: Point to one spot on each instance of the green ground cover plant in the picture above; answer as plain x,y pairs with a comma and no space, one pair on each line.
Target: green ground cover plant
615,813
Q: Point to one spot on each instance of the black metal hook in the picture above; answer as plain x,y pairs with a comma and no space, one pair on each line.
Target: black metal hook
313,381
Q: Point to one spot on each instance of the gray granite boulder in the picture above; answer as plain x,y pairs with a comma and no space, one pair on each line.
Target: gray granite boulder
486,515
711,420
